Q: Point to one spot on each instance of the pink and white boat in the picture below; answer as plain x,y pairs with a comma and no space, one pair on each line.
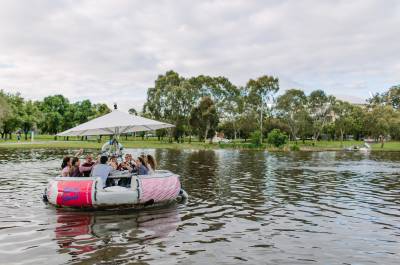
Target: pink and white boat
88,192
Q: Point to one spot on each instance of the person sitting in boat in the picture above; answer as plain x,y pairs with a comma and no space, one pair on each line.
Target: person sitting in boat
66,165
151,164
141,166
102,170
87,166
77,170
113,162
128,164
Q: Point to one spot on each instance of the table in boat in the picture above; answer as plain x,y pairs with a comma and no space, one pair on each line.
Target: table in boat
120,174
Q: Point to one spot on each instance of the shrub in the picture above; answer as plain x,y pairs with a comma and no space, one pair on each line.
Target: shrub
294,148
277,138
256,138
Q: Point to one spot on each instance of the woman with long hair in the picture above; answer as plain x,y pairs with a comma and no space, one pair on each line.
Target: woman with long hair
75,171
66,166
142,166
151,164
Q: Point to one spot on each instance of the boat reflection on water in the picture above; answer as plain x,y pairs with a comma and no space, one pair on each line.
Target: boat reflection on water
78,233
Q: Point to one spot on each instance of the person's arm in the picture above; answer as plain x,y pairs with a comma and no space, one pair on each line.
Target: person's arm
84,169
79,152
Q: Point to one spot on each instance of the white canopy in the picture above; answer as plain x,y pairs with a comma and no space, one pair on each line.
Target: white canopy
115,122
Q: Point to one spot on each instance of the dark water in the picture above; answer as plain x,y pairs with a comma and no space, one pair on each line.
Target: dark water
244,208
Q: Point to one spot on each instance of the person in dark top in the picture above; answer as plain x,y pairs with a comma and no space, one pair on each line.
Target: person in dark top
75,171
128,164
87,166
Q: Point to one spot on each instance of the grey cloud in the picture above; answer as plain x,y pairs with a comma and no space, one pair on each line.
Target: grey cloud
113,50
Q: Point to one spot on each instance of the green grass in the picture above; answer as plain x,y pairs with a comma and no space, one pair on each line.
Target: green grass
47,141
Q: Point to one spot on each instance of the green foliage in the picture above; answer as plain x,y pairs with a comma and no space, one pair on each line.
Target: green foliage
205,118
294,148
277,138
4,109
256,138
292,108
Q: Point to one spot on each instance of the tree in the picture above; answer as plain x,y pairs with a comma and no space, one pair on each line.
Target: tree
380,121
343,119
260,92
83,111
54,108
100,109
31,117
320,111
291,106
14,118
205,117
389,98
4,110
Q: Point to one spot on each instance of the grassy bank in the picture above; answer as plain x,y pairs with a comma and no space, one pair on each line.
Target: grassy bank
48,141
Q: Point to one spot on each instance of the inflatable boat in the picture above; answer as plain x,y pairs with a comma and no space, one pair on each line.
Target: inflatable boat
141,190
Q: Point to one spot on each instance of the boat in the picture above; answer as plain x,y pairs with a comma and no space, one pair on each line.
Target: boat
364,148
130,190
162,187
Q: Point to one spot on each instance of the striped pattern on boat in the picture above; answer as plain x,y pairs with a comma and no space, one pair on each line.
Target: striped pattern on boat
159,188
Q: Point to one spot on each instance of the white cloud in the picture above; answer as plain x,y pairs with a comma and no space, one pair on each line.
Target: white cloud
113,50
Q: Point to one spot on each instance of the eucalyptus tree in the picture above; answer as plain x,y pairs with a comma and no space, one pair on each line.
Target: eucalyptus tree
380,120
228,98
291,107
389,98
260,92
205,117
344,119
320,110
158,102
172,99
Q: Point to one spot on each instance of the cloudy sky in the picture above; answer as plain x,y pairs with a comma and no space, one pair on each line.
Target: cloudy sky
110,51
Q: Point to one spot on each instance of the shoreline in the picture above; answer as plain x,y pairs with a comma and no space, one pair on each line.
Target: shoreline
151,144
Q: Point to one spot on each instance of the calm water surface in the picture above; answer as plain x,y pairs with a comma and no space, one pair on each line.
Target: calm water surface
244,208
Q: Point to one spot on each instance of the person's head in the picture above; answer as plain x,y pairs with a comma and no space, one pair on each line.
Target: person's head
151,161
89,158
141,161
75,161
113,159
143,156
103,159
66,162
128,157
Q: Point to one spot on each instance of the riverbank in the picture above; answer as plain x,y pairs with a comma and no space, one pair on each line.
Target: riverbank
47,141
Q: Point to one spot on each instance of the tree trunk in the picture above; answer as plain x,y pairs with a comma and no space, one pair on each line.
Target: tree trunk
206,132
341,137
382,141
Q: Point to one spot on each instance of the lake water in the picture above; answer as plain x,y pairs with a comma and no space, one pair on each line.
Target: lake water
245,208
